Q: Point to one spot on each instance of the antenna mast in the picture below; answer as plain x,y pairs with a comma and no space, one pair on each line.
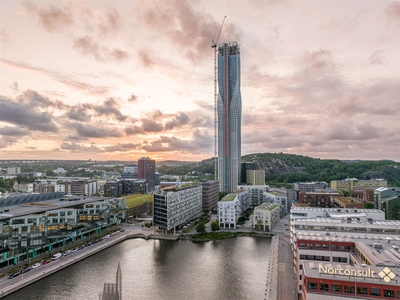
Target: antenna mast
215,45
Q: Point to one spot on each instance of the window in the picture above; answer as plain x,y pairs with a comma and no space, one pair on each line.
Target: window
349,289
343,259
375,292
342,247
324,287
335,259
333,247
362,290
336,288
303,256
301,267
388,294
312,286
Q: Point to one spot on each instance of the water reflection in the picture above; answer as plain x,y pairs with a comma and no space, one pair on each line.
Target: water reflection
151,269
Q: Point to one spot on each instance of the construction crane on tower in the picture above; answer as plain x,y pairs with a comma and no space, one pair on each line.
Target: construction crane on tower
215,45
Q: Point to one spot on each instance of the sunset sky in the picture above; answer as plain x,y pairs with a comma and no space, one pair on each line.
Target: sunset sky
127,79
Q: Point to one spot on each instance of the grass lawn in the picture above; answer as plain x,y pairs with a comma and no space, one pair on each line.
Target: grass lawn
137,199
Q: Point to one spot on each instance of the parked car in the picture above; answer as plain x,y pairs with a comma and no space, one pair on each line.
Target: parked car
107,236
122,230
46,261
15,274
56,256
68,252
26,269
36,265
81,247
75,249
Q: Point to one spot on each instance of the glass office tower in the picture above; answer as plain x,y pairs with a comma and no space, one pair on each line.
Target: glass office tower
229,116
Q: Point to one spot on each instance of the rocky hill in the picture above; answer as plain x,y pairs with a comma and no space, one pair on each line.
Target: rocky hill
288,168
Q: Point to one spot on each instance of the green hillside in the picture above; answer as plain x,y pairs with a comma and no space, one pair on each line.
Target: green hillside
288,168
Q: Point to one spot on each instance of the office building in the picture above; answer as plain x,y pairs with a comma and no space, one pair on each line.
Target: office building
147,170
210,194
255,177
246,166
176,205
310,186
350,184
345,253
388,200
37,229
229,116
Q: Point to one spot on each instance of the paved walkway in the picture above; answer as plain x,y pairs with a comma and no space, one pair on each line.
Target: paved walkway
286,274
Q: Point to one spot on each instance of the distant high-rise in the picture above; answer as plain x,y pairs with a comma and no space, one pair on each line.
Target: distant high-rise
229,116
147,170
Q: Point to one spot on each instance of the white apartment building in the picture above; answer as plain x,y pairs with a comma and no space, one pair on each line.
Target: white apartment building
91,187
255,192
176,205
231,207
277,198
266,216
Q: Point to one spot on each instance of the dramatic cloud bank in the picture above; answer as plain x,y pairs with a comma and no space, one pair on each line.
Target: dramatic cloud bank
126,79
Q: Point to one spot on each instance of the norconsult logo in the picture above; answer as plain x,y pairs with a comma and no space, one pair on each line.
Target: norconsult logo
347,272
386,275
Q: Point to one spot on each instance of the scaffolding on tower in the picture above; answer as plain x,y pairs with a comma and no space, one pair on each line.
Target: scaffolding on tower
214,45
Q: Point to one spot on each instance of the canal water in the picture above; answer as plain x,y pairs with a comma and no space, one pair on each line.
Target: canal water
153,269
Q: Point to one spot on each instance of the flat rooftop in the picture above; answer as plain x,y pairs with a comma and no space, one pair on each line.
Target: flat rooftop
40,207
369,274
267,206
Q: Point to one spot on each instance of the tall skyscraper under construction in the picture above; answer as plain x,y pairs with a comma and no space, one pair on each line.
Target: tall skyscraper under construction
229,116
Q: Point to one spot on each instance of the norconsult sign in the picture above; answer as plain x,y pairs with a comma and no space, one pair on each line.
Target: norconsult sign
346,272
386,274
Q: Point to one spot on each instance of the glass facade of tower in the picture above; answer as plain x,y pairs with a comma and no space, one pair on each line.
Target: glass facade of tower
229,116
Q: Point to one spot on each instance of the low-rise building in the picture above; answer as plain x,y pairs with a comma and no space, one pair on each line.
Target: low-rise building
266,216
317,199
350,184
310,186
345,202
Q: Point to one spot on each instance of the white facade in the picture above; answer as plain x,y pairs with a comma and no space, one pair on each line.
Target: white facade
277,198
131,169
231,207
91,188
266,215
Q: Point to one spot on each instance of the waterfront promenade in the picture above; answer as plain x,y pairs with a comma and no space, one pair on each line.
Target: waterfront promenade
8,286
284,277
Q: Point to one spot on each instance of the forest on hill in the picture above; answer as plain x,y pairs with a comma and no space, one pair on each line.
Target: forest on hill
282,168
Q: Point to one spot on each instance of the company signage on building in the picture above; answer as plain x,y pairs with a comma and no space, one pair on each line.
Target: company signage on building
386,274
